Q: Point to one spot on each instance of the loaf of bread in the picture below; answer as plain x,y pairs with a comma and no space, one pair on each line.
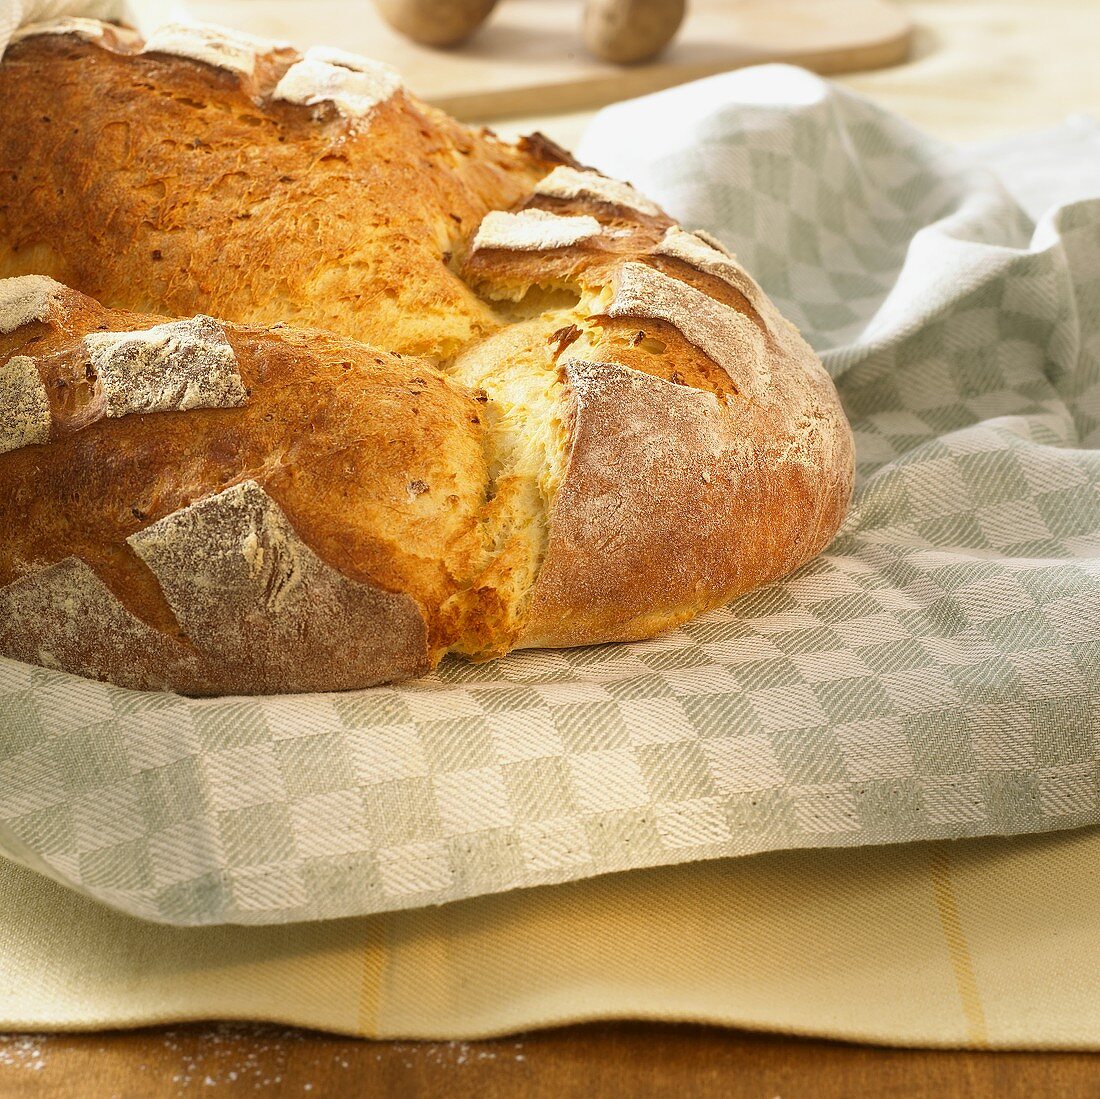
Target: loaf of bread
304,384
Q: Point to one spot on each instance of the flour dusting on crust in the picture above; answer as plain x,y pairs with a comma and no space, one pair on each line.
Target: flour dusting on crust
533,231
89,29
24,404
569,183
354,84
258,602
643,449
218,46
169,368
697,251
713,241
237,542
25,298
234,547
720,332
64,617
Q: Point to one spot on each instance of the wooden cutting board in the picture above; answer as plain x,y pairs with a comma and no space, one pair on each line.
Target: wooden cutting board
529,59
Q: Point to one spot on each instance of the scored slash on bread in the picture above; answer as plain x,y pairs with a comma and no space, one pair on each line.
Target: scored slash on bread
366,386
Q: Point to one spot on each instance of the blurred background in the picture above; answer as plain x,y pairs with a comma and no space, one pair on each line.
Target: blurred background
961,69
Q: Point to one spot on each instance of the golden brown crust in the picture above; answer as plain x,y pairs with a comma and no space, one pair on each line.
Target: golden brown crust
612,429
354,445
708,453
675,502
195,189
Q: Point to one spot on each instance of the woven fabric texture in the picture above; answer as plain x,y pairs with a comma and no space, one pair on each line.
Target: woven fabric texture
13,13
932,675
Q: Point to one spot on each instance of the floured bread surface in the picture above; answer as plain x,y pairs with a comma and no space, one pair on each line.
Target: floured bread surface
24,404
565,182
707,255
248,592
730,339
25,299
64,617
168,368
462,396
217,46
354,85
533,231
700,252
709,238
673,502
651,470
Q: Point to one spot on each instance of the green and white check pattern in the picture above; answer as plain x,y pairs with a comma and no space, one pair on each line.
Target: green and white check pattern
934,674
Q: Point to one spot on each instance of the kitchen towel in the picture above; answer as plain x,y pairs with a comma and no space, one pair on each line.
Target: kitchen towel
985,943
14,13
932,675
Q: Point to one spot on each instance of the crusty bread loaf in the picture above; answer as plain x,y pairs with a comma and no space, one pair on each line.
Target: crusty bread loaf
459,395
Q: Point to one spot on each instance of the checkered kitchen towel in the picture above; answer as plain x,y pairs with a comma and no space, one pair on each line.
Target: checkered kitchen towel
934,674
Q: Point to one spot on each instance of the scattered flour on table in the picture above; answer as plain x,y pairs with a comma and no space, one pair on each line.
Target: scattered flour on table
25,1051
212,1055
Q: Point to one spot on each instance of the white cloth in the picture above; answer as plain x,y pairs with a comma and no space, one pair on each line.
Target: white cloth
14,13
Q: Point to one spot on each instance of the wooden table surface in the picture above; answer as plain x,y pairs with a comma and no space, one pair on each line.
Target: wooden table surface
604,1061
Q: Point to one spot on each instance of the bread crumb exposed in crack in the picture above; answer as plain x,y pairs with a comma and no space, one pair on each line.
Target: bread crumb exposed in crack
525,447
